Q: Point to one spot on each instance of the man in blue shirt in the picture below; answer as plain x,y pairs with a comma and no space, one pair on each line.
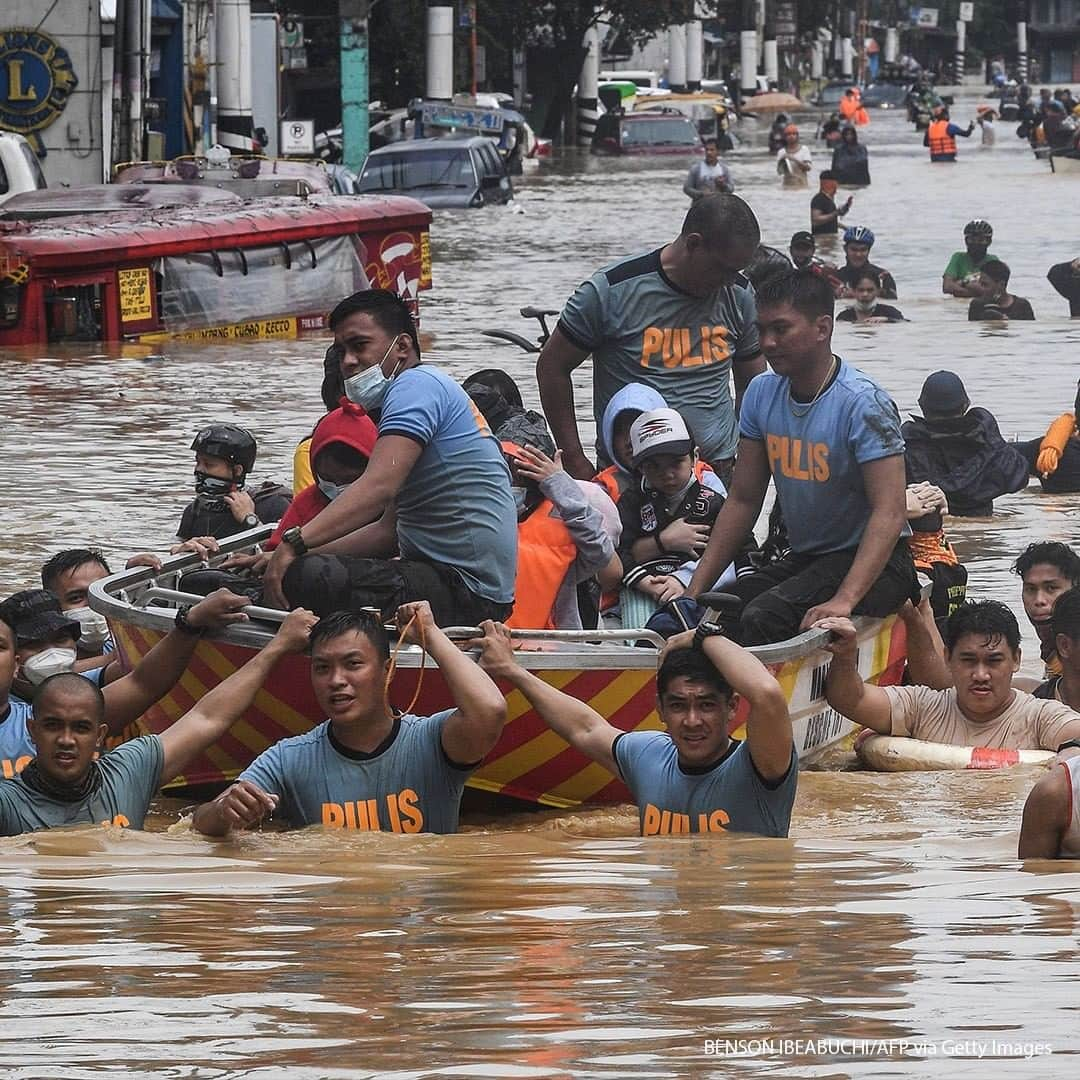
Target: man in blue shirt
679,319
691,778
436,490
367,767
829,437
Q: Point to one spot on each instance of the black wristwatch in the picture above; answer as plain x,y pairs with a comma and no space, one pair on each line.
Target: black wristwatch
293,538
706,630
251,520
1068,745
184,626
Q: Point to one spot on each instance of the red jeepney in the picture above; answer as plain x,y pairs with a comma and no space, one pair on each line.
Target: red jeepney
268,268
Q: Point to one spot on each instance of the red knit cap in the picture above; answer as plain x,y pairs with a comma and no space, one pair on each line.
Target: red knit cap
348,424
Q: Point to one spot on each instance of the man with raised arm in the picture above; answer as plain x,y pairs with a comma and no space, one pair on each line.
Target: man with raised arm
368,767
67,784
679,319
829,437
982,650
692,777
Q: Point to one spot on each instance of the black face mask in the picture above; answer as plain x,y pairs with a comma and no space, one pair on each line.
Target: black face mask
211,490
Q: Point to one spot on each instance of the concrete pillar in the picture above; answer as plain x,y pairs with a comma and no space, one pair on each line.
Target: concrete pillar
1021,52
847,58
772,62
233,34
817,60
355,115
695,54
588,81
748,61
892,45
677,58
440,53
961,48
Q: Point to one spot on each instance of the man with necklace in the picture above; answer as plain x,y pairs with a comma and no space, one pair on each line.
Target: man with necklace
829,437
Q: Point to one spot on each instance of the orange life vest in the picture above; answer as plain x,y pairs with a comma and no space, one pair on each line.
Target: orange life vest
849,106
608,479
546,551
939,139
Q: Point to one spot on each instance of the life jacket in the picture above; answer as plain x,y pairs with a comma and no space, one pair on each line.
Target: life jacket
941,143
608,479
546,551
848,107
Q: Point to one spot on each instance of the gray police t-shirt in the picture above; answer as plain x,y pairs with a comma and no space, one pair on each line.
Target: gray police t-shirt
640,327
729,797
130,775
406,785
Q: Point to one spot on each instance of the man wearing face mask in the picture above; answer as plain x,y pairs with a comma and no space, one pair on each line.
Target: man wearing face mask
68,575
37,640
436,489
224,457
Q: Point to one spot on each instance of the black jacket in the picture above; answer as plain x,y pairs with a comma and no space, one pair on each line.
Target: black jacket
967,458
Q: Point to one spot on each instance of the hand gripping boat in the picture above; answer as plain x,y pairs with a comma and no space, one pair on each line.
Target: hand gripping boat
530,762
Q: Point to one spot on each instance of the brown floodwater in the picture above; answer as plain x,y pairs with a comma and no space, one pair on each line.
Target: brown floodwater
893,935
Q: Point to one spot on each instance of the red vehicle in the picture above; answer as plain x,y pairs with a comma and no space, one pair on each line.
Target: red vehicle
214,272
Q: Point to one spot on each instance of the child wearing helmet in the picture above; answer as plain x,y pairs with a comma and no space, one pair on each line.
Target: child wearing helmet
224,458
963,275
858,240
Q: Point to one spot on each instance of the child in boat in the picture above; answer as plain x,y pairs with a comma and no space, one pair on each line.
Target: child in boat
567,532
224,458
668,516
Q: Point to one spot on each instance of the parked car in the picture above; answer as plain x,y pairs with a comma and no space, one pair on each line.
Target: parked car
828,97
19,167
443,172
646,131
886,95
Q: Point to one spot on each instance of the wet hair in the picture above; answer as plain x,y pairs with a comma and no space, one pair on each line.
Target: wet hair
806,291
826,174
693,665
990,618
867,275
1053,553
1065,618
849,130
387,310
367,623
723,219
70,682
711,141
997,271
333,384
72,559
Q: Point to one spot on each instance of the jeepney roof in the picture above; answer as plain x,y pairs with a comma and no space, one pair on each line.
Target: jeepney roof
107,239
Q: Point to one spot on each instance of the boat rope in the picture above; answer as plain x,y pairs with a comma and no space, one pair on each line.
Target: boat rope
392,670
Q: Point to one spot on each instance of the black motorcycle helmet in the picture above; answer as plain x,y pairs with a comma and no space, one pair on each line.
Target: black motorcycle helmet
235,444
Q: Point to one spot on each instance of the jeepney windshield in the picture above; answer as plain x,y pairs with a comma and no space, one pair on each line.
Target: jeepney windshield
451,167
218,288
668,131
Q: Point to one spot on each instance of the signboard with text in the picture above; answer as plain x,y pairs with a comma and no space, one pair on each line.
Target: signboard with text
925,17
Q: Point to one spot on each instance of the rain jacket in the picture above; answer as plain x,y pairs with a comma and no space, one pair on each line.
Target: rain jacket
967,458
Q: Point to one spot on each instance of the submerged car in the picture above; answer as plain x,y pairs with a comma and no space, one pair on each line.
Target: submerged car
440,172
646,131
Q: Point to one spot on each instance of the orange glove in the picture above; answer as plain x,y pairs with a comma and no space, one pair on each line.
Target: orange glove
1053,444
1048,460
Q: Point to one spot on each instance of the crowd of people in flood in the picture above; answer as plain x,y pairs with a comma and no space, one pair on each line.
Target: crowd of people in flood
435,504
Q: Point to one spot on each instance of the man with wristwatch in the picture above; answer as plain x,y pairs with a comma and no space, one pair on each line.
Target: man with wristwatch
435,493
692,777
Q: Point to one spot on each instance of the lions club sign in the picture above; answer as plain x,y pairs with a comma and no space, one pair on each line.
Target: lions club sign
36,80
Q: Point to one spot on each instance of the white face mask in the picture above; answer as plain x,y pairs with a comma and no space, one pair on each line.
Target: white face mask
367,388
866,306
51,661
330,489
95,630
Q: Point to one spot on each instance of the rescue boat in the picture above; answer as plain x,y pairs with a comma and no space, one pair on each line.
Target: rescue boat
530,762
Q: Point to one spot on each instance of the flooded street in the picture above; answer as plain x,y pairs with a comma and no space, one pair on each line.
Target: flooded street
894,931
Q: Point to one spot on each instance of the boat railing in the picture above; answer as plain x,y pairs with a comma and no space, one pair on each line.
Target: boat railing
147,597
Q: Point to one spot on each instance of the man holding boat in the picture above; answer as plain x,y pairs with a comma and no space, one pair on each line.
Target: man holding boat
68,784
369,767
436,490
982,650
692,777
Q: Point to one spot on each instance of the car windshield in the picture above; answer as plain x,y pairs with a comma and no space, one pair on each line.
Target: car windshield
434,168
666,131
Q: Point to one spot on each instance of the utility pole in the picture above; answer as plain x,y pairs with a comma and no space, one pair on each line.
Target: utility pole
355,118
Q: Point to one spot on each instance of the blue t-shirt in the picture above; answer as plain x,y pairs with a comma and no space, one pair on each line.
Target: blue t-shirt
455,507
815,453
407,784
642,328
729,797
130,775
16,747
